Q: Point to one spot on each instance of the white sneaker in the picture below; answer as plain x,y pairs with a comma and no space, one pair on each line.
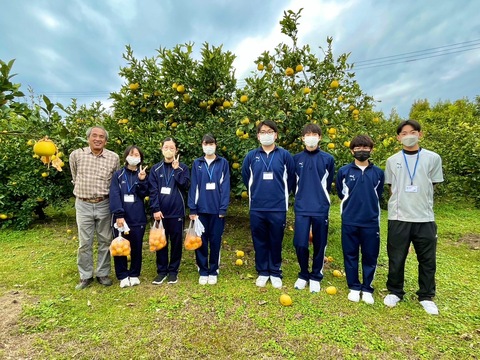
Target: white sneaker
125,282
354,295
314,286
391,300
212,279
261,281
276,282
429,307
300,284
134,281
367,298
202,280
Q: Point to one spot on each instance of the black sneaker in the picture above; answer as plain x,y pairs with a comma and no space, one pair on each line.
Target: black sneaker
104,280
159,279
172,278
83,284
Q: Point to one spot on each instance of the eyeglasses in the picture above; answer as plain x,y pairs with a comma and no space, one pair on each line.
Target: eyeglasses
362,148
269,132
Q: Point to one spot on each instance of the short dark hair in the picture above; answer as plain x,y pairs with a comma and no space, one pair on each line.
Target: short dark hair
312,128
361,140
209,139
270,123
169,139
129,149
415,124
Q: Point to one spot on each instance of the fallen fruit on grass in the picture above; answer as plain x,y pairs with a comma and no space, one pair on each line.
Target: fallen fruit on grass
337,273
285,300
239,262
331,290
240,253
330,259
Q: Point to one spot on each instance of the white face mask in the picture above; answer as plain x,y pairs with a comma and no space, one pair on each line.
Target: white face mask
168,154
267,139
133,160
311,141
410,140
208,149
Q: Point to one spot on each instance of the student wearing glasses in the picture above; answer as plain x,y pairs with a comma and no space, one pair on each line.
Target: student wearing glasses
168,183
360,187
268,172
412,174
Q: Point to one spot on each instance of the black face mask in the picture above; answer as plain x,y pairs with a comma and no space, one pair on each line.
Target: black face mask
361,155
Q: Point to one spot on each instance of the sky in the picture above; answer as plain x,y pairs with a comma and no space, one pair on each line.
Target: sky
403,51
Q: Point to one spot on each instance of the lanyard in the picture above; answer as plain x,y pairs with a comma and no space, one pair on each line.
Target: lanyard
167,177
414,169
210,173
270,163
129,188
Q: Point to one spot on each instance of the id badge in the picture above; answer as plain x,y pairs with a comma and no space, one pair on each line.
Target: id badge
268,175
129,198
165,190
210,186
411,188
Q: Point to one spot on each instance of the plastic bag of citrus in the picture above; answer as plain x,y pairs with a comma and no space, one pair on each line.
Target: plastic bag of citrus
157,239
120,246
192,240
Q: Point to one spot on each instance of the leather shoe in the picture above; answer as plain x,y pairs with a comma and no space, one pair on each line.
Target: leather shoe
104,280
84,283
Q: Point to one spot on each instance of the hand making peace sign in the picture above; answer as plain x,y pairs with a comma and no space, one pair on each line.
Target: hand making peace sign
176,162
142,174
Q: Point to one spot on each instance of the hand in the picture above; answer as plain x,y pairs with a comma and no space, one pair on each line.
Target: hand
120,222
142,174
158,215
193,217
176,162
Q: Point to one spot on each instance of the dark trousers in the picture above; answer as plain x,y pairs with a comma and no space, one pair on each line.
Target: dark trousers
211,240
174,234
423,236
135,236
319,225
268,228
366,239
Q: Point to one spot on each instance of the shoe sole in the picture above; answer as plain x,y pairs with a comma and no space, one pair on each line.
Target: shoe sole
159,282
173,282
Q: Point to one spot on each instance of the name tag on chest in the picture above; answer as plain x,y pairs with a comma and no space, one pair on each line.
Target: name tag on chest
268,175
165,190
210,186
129,198
411,188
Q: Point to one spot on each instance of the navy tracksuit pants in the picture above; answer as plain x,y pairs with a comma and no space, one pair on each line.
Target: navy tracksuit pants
268,228
319,225
208,264
135,236
174,234
366,240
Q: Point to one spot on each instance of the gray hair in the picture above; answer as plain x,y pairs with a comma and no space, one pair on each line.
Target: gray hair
89,131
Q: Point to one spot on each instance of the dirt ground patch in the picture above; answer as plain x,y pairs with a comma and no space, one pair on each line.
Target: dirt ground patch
471,240
13,344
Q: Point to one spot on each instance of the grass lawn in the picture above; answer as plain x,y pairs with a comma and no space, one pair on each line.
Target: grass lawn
44,317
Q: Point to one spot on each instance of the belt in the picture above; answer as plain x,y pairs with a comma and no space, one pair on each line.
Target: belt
95,200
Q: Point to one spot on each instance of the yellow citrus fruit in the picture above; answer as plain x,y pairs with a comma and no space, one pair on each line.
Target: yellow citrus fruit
170,105
240,253
147,198
331,290
260,67
174,86
44,147
347,144
243,98
376,120
289,71
244,195
239,262
334,84
331,146
340,98
325,121
309,111
245,136
181,89
202,104
123,121
235,165
306,90
143,109
30,142
44,174
174,125
245,121
227,104
299,68
134,86
332,131
3,216
355,112
187,98
285,300
337,273
239,132
330,258
69,231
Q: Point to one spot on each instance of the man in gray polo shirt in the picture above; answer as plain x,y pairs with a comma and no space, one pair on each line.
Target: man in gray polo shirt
412,174
92,168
